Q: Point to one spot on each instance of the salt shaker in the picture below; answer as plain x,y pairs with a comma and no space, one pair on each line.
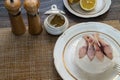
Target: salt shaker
32,8
56,22
13,7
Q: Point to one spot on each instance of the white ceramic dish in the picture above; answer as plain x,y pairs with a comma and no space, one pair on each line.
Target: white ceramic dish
102,6
56,30
95,66
65,47
50,28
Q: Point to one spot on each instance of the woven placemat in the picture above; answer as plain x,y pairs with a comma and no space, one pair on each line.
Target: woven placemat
29,57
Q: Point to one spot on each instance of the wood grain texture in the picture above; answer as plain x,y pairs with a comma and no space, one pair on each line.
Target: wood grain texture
17,24
112,14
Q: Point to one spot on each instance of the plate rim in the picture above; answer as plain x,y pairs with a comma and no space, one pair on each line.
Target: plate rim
106,8
84,23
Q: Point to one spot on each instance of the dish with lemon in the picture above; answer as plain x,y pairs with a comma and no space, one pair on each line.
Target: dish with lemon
86,5
86,8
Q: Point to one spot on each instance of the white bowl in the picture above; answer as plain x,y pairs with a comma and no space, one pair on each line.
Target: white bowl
95,66
55,30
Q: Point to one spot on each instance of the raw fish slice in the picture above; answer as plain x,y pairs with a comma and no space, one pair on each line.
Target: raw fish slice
83,50
98,53
91,50
106,47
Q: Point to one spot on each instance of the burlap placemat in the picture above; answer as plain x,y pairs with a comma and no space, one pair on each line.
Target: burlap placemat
29,57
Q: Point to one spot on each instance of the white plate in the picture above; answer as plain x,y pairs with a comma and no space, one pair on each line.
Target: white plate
65,49
102,6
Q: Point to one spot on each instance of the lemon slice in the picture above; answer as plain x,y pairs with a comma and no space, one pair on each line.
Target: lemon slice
87,5
73,1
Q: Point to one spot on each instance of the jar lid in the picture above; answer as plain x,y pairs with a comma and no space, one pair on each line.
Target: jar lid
54,10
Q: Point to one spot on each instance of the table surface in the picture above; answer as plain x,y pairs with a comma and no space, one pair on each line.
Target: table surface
112,15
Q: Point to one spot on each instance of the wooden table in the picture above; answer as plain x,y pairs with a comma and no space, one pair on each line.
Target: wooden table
112,14
38,65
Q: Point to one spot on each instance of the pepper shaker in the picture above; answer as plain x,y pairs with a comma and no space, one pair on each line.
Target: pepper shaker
32,8
13,7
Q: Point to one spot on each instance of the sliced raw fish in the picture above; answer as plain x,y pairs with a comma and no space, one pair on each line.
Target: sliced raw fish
83,50
91,50
106,47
